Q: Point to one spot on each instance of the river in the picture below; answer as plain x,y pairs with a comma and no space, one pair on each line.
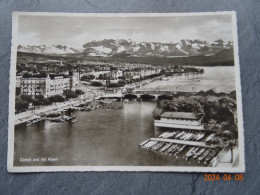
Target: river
108,137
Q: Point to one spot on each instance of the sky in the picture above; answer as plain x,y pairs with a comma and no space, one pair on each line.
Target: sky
75,31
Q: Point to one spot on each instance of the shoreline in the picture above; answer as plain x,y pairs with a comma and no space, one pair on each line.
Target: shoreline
31,115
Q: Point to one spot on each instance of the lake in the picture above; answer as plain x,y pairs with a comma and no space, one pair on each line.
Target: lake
220,78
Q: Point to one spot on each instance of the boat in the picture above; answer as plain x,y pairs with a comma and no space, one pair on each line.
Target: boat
209,138
188,137
157,146
185,136
70,117
189,153
29,123
166,146
173,149
149,144
193,137
200,136
144,142
53,114
74,120
196,155
204,155
180,149
179,135
65,117
187,156
88,109
56,119
182,136
164,135
211,155
171,135
154,143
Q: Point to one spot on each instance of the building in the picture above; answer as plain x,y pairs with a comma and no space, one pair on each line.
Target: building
96,74
127,73
180,120
18,80
140,72
47,85
115,73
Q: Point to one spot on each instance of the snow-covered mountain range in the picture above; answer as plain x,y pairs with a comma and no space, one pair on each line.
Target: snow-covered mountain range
111,47
43,49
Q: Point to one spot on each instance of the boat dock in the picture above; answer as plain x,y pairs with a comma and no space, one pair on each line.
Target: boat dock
190,143
190,147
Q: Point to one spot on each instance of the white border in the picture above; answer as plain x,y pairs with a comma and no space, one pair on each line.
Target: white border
10,156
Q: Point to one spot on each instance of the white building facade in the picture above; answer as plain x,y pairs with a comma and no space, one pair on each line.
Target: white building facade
47,85
180,120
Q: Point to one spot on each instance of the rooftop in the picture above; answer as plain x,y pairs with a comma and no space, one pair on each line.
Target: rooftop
43,75
180,115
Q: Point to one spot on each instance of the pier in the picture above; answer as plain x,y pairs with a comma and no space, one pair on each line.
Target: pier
190,143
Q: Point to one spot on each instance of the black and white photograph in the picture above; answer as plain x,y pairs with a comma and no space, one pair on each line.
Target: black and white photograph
125,92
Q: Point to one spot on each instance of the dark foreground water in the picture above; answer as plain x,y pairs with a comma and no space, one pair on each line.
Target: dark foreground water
100,137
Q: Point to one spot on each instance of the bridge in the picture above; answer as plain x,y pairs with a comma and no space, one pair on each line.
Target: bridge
155,93
140,93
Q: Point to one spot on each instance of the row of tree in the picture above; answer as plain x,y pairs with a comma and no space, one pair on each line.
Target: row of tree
219,112
122,81
23,101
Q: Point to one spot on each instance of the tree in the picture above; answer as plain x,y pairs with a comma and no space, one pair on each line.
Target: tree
21,105
113,85
46,101
17,91
68,93
121,83
79,92
230,145
36,102
101,77
56,98
97,84
39,97
233,94
26,98
87,77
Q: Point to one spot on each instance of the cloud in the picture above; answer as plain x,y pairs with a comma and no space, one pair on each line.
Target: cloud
75,31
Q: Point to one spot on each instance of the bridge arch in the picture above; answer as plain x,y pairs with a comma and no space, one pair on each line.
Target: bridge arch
148,97
130,96
165,96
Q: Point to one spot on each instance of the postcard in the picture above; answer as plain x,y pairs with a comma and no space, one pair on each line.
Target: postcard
125,92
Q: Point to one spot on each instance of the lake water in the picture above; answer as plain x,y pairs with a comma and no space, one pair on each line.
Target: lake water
100,137
109,137
221,78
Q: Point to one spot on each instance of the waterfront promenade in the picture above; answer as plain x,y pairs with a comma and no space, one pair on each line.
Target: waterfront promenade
32,114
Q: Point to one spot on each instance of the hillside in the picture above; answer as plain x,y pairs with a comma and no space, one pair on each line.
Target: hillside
224,57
